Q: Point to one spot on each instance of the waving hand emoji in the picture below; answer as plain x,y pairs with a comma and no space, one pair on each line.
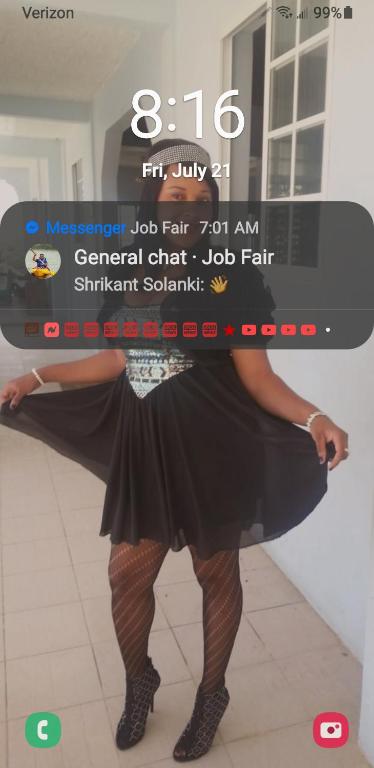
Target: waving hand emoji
219,284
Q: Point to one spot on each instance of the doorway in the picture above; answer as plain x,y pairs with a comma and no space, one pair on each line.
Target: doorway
248,76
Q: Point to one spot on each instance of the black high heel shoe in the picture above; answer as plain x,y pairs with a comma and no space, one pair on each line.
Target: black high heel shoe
140,693
198,735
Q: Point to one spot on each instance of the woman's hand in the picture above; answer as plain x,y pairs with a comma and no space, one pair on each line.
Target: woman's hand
16,389
323,431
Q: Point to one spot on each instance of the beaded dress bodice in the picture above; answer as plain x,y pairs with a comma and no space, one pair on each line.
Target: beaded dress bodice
147,368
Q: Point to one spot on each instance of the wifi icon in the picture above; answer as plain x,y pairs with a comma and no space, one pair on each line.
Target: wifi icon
284,11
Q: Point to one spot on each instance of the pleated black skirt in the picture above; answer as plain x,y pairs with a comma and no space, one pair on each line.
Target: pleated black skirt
197,461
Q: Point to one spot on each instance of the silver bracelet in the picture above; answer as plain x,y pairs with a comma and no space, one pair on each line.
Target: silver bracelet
37,376
313,416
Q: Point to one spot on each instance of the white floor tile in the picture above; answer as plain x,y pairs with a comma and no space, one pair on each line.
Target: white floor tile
176,567
24,591
86,741
248,648
59,463
2,692
78,489
267,587
82,521
92,579
34,497
254,557
165,654
89,548
291,629
181,603
217,757
30,556
3,745
328,680
31,528
167,657
261,700
53,680
290,747
99,619
44,630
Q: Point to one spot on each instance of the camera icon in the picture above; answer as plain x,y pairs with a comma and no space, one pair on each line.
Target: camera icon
330,730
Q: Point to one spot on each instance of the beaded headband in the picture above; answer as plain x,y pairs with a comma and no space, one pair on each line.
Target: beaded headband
181,153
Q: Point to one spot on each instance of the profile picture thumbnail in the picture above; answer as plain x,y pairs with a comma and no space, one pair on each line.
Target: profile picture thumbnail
43,261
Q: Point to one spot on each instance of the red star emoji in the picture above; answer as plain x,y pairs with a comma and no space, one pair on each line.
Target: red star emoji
229,330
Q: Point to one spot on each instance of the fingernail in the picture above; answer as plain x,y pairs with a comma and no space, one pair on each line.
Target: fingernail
321,460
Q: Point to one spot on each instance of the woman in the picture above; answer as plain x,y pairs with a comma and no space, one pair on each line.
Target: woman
197,449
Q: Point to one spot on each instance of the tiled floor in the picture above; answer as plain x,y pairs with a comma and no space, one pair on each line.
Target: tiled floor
58,650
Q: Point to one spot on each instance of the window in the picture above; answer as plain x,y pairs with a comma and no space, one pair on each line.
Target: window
295,97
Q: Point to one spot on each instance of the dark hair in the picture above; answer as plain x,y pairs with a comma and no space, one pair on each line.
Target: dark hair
147,210
152,186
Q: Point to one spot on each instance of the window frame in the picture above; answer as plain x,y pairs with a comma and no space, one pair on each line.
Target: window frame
322,118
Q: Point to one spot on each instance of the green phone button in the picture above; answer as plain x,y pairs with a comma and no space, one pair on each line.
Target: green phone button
43,730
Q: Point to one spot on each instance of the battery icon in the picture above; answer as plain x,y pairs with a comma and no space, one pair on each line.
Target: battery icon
348,12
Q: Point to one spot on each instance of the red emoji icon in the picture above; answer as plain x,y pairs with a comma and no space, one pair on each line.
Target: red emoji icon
91,330
31,329
130,329
71,330
189,330
150,330
268,330
111,330
209,330
229,330
330,730
288,330
51,330
308,330
249,329
169,330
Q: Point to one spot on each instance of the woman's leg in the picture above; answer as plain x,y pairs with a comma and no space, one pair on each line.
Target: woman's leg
132,573
219,578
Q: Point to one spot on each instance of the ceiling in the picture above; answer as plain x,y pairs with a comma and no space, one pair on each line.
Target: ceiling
68,59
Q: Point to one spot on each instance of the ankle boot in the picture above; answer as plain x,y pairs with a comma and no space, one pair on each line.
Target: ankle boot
198,736
140,693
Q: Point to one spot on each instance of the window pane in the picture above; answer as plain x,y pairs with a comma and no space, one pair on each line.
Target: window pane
310,25
281,95
308,168
284,31
312,82
279,170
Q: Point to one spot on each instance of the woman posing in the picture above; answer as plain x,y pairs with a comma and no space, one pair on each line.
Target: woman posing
197,450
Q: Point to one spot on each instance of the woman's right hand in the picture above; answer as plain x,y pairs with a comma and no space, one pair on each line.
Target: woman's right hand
16,389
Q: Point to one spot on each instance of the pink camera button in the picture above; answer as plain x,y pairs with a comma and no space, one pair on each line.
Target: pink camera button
330,730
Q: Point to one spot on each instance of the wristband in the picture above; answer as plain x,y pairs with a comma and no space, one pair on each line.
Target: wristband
313,416
37,376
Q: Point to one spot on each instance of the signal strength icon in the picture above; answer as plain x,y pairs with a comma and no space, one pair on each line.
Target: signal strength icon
303,15
284,11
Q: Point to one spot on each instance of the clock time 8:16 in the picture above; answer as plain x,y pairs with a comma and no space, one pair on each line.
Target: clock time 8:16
197,96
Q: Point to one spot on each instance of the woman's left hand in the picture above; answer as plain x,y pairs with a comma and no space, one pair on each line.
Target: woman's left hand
323,431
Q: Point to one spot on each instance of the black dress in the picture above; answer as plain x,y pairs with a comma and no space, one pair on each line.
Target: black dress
187,455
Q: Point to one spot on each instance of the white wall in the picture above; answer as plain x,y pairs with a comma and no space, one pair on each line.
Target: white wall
328,556
146,66
73,137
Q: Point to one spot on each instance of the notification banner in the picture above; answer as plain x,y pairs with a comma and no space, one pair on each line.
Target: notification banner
193,275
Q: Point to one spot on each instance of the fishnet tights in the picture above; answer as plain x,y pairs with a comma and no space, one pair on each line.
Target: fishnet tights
132,573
